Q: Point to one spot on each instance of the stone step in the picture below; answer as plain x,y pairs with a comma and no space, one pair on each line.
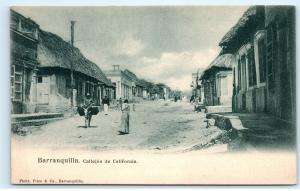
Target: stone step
266,122
255,117
256,139
218,109
34,116
261,131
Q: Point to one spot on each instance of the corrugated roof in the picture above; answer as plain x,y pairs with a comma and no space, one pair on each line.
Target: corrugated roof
53,51
224,61
241,23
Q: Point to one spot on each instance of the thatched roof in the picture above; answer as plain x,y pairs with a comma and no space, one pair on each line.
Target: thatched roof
54,52
222,62
232,33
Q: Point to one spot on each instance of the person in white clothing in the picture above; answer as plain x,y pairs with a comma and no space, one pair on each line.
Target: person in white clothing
105,103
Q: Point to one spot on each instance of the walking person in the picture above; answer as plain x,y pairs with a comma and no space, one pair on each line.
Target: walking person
105,103
124,128
88,104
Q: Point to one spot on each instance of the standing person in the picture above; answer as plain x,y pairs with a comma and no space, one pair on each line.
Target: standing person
120,102
105,103
88,104
124,128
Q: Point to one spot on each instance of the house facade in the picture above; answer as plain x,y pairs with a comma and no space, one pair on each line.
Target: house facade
263,43
217,81
240,41
24,37
57,59
141,89
146,88
124,83
163,91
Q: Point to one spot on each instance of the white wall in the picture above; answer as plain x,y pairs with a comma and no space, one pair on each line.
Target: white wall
117,80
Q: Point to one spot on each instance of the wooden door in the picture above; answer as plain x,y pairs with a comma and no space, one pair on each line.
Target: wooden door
43,89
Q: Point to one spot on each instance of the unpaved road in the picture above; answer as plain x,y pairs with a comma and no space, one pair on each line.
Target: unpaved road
154,125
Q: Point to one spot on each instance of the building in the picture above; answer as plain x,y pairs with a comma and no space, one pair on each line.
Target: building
147,89
280,60
217,81
163,91
24,37
263,43
141,89
197,87
123,81
134,81
57,59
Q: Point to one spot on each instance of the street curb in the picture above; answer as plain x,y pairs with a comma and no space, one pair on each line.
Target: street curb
234,125
227,122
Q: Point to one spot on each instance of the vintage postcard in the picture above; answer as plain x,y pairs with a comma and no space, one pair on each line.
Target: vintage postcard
153,95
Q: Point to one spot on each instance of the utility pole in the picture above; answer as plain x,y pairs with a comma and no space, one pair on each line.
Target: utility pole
72,67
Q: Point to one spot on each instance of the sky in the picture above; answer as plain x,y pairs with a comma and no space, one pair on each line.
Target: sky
162,44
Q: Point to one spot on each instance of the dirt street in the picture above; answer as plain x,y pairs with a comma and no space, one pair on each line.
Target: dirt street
154,125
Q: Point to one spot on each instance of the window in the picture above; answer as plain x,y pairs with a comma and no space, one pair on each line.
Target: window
262,60
243,73
40,79
260,56
16,78
18,86
251,68
246,69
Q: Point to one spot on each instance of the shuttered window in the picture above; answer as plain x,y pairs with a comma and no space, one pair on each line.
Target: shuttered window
18,86
262,60
239,75
16,80
243,73
251,68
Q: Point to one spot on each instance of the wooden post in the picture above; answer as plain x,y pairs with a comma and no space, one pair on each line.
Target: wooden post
72,67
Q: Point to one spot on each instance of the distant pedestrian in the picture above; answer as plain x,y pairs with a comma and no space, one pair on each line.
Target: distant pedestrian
124,128
192,99
197,105
105,103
